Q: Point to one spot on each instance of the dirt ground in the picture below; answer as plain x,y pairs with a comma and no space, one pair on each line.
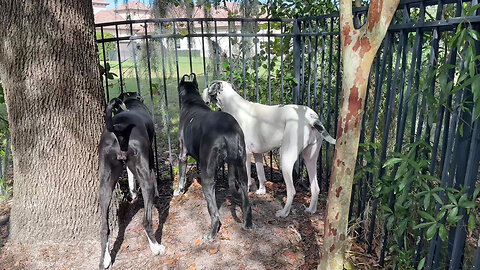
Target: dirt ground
289,243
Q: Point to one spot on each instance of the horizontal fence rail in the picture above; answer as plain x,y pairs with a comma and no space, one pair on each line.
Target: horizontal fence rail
297,60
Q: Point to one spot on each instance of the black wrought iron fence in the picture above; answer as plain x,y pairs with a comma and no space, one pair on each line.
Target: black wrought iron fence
431,134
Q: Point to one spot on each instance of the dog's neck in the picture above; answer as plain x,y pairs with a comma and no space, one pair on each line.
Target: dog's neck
231,102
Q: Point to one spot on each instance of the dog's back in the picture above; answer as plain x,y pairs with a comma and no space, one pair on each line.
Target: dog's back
200,127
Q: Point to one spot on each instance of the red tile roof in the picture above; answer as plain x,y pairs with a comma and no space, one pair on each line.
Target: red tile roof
133,5
107,16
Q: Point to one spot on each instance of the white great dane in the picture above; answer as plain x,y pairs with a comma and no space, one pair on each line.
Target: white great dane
295,128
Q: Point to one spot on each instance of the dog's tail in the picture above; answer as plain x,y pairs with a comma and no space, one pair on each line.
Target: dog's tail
318,125
115,103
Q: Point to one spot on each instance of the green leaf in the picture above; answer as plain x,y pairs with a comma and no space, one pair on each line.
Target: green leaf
452,198
421,263
437,198
442,231
392,161
474,34
427,216
431,231
471,222
423,225
452,214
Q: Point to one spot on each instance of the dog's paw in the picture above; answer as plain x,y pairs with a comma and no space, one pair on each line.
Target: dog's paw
252,227
134,197
310,210
107,261
208,237
157,248
176,192
261,191
281,214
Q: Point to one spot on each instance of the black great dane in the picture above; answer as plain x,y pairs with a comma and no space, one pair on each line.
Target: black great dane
212,138
127,139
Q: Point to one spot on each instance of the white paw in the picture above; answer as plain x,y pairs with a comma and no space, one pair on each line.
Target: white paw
281,214
134,196
107,260
311,210
157,248
176,192
261,191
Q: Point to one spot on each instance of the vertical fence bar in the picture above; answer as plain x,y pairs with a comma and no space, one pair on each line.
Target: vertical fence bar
151,97
328,162
390,96
167,116
315,67
119,60
296,60
230,52
176,61
132,41
105,65
401,46
256,61
243,61
309,67
189,40
281,63
216,51
205,73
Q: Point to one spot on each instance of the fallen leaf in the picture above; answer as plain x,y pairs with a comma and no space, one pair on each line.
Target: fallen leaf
251,195
172,216
278,231
124,245
172,261
224,238
290,254
137,229
197,242
213,251
193,267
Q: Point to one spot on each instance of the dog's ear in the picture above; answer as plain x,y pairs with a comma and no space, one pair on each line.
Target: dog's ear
183,78
193,79
139,97
215,88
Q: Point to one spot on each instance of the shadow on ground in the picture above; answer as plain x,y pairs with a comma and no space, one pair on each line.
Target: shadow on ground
180,222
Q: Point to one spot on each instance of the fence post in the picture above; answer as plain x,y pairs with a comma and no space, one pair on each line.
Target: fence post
297,42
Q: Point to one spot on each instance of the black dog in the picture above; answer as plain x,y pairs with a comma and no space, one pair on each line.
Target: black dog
212,138
127,138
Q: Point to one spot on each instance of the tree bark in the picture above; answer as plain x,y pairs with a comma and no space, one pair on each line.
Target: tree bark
359,47
54,97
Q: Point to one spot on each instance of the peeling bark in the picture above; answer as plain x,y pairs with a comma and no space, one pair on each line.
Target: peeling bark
359,48
54,97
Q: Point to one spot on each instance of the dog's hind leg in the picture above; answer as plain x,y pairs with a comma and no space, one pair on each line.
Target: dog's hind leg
182,170
147,184
248,165
310,156
132,183
241,175
261,173
208,187
289,154
110,175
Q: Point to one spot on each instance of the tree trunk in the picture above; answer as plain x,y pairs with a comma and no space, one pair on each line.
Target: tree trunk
54,97
358,51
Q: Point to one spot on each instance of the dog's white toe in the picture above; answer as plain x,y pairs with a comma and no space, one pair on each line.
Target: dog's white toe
261,191
157,248
107,260
310,211
281,214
